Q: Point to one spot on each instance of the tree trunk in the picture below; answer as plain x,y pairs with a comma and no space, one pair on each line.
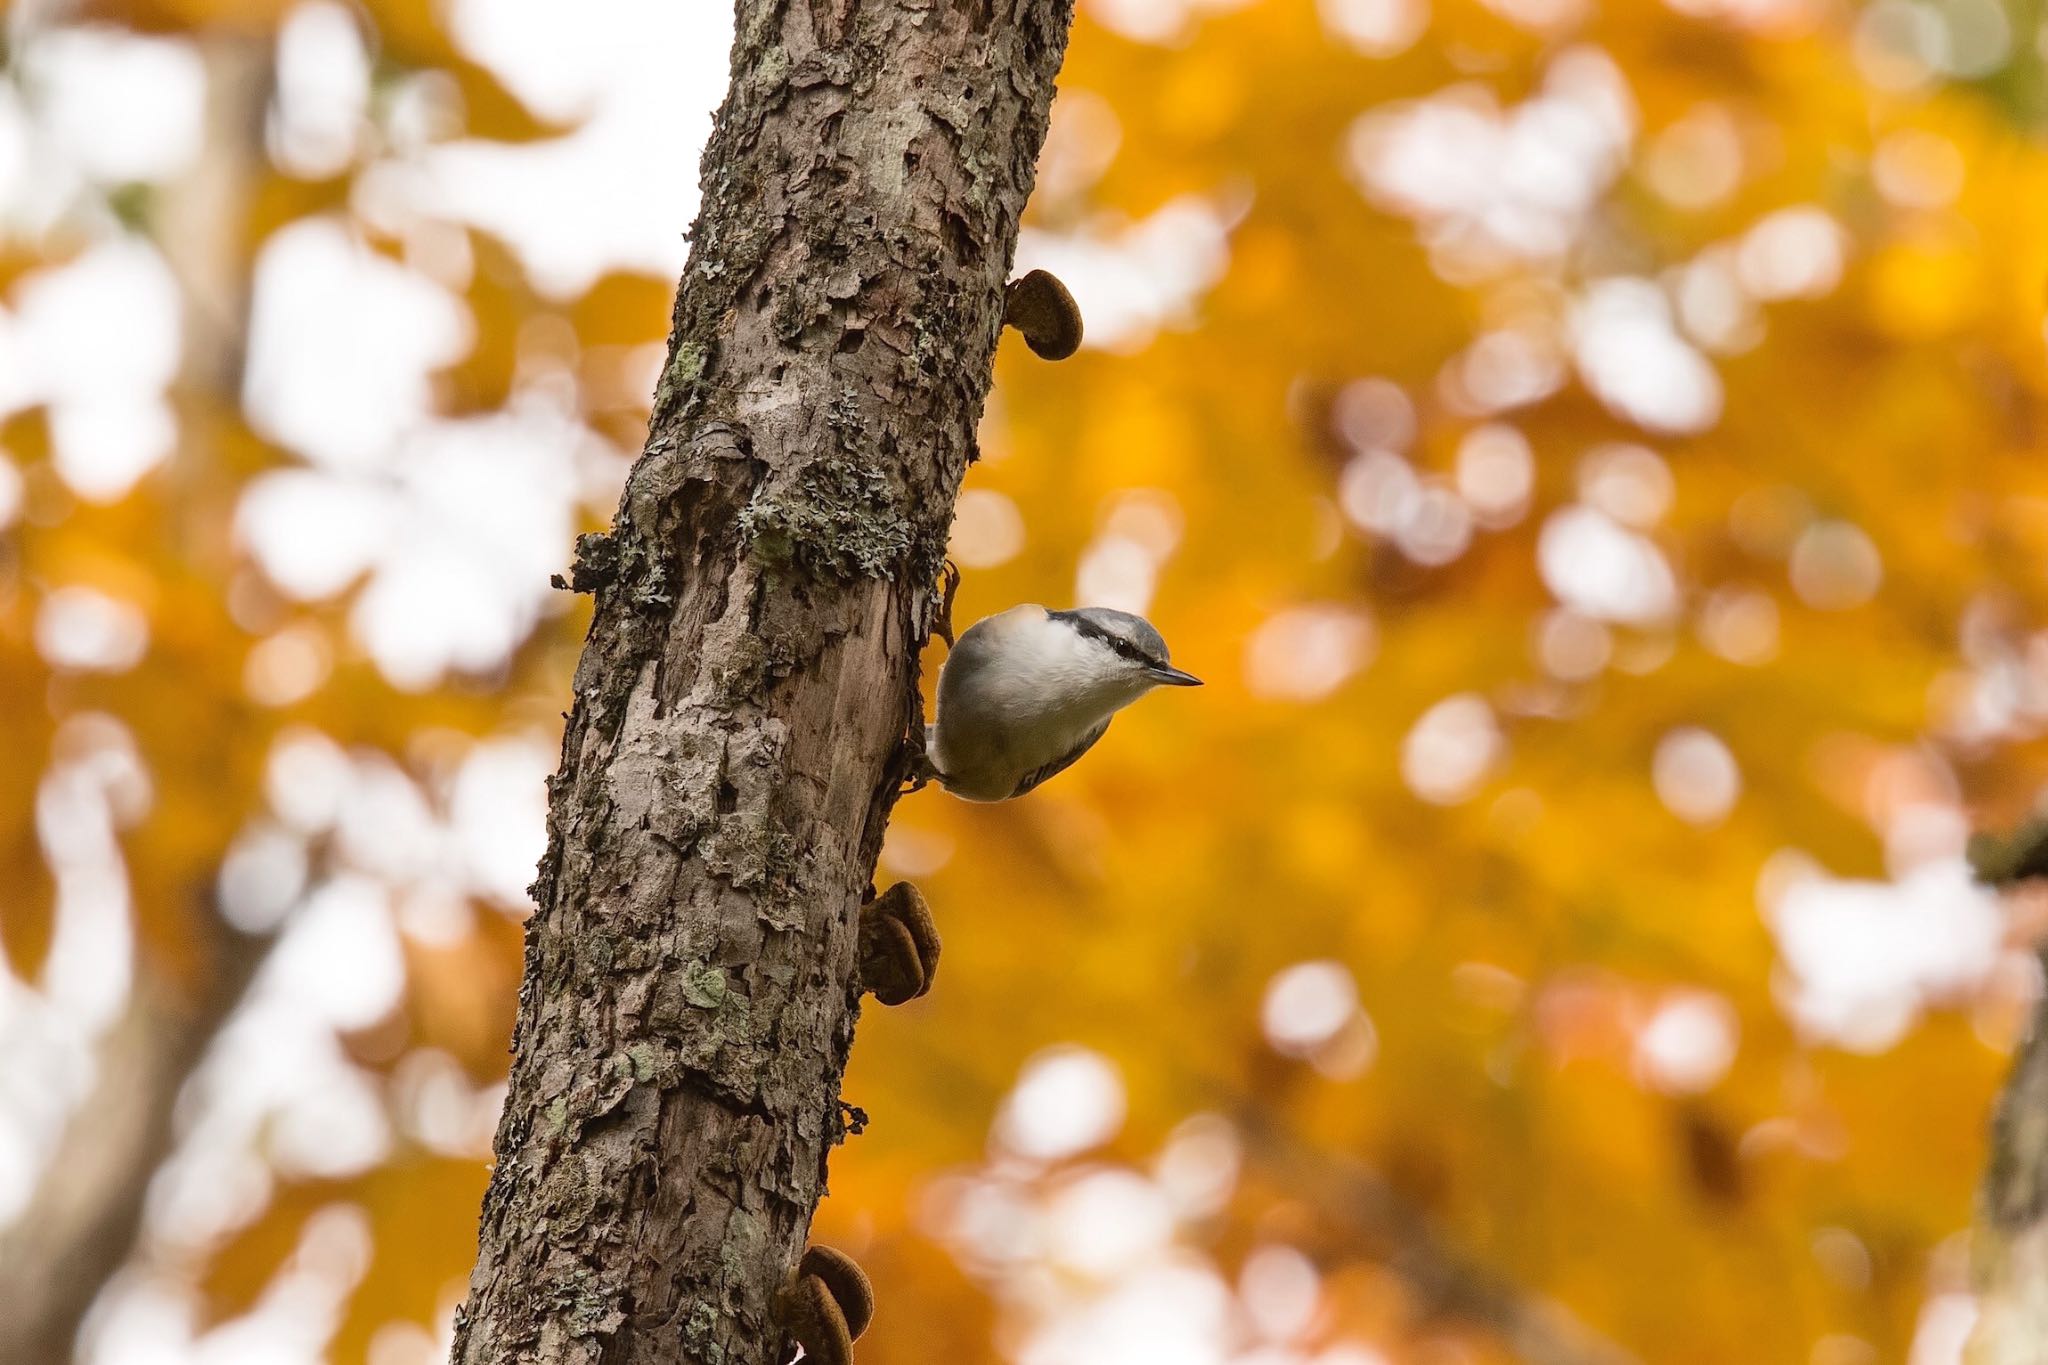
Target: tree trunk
737,738
2011,1244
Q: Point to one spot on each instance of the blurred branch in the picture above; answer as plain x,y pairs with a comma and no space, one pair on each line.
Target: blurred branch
2002,859
1447,1283
201,221
81,1226
83,1220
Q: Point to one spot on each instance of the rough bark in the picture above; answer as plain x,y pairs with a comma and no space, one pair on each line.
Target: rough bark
737,737
2010,1249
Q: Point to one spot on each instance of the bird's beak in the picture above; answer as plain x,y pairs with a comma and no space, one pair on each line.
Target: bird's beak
1173,677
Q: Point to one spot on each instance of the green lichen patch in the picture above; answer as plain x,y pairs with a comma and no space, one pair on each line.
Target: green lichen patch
590,1310
700,1339
685,364
704,985
653,1064
773,68
837,519
749,852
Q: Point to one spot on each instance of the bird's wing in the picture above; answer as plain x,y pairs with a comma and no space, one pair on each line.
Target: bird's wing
1060,764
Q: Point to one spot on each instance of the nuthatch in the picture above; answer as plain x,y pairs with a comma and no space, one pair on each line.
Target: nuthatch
1027,692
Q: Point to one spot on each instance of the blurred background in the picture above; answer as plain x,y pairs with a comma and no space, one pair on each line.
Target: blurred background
1594,451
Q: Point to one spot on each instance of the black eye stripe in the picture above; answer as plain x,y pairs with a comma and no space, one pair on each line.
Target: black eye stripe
1083,626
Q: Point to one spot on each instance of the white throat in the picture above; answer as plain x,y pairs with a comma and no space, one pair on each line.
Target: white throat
1071,676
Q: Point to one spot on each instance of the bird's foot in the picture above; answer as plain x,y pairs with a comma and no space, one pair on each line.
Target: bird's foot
949,580
1040,307
828,1305
899,945
922,771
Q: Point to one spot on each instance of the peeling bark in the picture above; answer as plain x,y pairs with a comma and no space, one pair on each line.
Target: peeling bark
737,738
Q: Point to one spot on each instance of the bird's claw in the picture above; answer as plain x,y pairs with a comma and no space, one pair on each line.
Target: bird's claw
829,1304
920,771
949,579
899,945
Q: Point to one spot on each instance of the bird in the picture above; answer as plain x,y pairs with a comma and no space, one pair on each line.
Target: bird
1026,692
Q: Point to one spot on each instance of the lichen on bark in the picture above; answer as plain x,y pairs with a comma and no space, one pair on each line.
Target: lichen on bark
736,739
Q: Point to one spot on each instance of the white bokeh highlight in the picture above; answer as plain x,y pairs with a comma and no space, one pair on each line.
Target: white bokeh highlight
1688,1043
1451,749
1695,775
1066,1100
1863,959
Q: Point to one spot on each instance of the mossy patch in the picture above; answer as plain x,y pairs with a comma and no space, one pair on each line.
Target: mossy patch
838,519
704,985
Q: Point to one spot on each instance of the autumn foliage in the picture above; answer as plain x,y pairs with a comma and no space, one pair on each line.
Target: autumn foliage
1592,452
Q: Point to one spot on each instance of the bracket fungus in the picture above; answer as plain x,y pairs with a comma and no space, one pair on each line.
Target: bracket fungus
829,1305
1040,307
899,945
